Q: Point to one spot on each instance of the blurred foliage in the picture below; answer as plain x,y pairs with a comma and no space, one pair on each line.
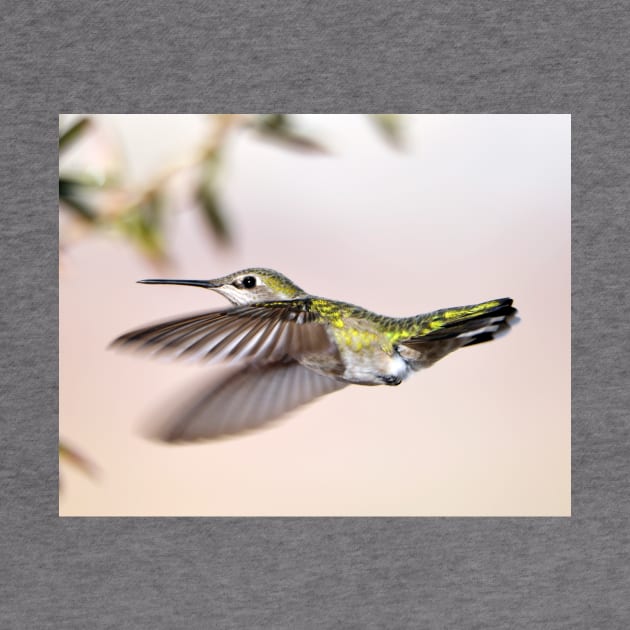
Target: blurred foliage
75,459
207,198
70,195
139,216
142,223
389,126
72,133
279,128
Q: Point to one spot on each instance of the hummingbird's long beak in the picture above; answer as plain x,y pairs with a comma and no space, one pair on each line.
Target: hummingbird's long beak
204,284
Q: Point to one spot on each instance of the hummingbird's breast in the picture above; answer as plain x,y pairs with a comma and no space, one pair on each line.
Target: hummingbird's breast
368,355
375,369
362,346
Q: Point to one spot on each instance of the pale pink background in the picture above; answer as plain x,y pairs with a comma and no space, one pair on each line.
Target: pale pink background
477,207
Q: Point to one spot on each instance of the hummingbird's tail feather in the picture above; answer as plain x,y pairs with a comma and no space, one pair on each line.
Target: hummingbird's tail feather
446,330
245,400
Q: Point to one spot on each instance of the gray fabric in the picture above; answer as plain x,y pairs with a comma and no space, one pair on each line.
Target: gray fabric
310,573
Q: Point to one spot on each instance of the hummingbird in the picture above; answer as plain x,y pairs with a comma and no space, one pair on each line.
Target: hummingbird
290,347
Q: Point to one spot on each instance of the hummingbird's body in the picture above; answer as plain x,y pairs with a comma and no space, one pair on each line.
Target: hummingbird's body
356,352
295,347
365,343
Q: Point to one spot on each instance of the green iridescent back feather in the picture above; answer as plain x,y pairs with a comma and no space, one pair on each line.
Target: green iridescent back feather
360,327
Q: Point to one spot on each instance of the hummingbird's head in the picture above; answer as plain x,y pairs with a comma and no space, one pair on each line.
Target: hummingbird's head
248,286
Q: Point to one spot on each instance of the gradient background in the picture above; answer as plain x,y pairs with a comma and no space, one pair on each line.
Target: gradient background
476,207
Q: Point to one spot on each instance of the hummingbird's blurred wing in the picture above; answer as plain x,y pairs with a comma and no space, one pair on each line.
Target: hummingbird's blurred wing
268,331
245,400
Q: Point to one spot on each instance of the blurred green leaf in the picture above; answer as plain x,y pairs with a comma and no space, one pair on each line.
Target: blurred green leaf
73,133
390,128
70,197
207,198
274,122
86,180
73,457
278,128
213,213
143,224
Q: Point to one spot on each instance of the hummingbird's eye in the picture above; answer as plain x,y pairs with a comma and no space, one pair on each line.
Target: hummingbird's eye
249,282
